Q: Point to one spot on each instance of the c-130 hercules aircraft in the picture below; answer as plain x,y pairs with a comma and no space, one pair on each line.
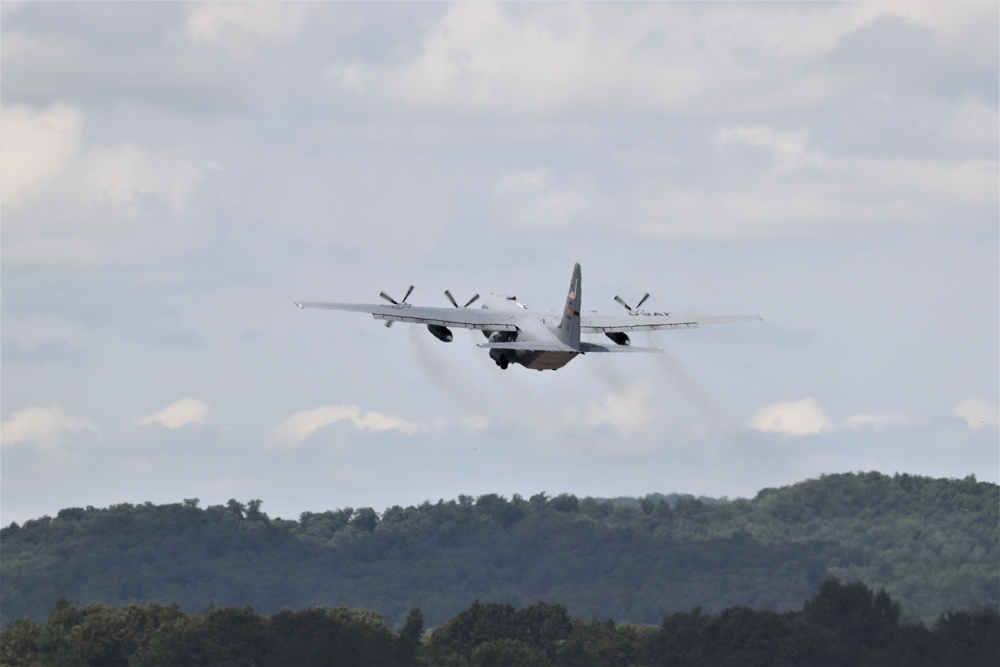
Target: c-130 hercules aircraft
539,339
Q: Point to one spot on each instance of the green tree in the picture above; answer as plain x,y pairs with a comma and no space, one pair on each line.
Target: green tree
234,635
681,640
365,520
408,643
969,638
854,612
21,644
595,642
181,641
479,624
508,653
744,637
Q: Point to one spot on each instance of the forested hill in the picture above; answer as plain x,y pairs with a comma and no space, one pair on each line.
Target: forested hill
931,543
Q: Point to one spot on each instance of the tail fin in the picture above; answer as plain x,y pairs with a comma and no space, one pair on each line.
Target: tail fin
569,326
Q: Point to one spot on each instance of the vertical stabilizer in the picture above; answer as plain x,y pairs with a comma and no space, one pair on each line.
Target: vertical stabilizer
569,326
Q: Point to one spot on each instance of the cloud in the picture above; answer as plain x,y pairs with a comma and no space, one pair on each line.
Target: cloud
476,422
242,29
183,412
36,146
771,182
67,200
301,425
46,428
977,413
123,176
13,351
803,417
789,150
876,421
662,58
627,410
535,199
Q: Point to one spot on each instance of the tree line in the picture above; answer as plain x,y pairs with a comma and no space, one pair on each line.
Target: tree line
842,624
931,543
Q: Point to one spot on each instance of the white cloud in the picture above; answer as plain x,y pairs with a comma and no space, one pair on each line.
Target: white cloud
349,77
875,421
628,411
534,198
183,412
971,124
302,424
122,176
789,150
36,146
803,417
601,62
977,413
46,428
801,188
243,28
502,59
476,422
70,201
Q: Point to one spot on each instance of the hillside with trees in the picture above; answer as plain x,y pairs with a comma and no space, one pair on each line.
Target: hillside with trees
931,543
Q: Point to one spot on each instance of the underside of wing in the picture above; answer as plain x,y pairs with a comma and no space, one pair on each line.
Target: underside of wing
463,318
607,323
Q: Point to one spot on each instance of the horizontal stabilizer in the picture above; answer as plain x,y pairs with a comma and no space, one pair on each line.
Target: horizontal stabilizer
529,346
594,347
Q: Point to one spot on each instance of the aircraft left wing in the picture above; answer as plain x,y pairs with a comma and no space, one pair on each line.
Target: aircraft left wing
605,323
463,318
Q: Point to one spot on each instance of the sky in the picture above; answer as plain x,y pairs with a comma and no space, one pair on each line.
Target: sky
173,176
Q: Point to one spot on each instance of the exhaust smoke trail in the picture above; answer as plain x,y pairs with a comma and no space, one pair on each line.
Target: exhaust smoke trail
463,393
690,390
606,372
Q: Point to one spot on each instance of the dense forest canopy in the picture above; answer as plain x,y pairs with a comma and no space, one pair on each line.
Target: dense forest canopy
842,624
931,543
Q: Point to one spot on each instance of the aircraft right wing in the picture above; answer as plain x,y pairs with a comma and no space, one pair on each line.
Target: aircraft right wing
593,322
463,318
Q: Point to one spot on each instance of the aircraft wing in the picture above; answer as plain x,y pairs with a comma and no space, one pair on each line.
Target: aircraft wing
463,318
593,322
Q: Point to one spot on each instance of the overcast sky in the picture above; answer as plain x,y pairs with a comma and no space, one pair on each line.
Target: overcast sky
175,175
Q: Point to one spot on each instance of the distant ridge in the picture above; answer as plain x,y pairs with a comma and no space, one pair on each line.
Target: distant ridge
931,543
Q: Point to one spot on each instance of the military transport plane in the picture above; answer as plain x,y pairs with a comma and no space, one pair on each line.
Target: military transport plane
539,339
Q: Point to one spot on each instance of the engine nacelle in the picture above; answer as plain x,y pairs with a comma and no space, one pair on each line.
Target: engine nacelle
502,336
440,332
619,337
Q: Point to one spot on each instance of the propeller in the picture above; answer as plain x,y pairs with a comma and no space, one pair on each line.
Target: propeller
455,303
630,308
393,301
388,298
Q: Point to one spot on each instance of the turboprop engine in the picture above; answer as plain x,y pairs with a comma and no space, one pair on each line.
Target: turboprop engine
440,332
